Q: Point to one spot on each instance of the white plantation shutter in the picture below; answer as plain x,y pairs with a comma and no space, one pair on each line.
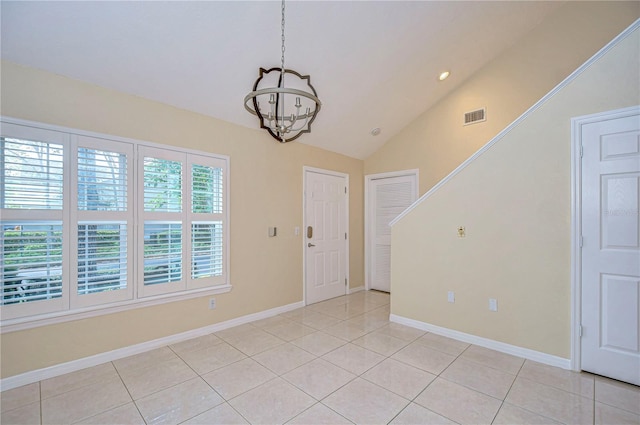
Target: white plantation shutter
206,250
162,232
206,189
103,219
102,257
31,262
208,221
102,180
32,174
162,252
162,185
32,240
184,221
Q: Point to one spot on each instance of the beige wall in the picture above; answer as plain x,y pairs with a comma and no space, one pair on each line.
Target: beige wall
515,202
266,190
437,142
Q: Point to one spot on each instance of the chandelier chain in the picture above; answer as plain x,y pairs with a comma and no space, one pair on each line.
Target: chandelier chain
282,27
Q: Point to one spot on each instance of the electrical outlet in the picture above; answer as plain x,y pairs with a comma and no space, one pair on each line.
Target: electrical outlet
451,297
212,303
493,304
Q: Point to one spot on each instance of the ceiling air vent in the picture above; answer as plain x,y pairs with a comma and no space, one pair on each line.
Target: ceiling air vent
476,116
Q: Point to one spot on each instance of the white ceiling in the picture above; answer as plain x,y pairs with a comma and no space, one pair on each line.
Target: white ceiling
373,63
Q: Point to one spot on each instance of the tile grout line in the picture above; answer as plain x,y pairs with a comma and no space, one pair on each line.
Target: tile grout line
315,404
128,392
432,381
78,388
40,398
508,391
439,376
544,415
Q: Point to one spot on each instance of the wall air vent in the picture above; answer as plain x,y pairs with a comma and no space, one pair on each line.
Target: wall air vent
476,116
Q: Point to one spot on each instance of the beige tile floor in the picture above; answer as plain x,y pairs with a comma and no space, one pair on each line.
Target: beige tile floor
336,362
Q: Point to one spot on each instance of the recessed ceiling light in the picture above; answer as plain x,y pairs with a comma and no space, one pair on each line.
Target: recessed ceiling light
376,131
443,75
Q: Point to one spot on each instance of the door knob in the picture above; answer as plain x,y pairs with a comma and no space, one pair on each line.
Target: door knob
310,245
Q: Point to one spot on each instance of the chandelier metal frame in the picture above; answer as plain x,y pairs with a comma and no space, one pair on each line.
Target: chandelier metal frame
279,123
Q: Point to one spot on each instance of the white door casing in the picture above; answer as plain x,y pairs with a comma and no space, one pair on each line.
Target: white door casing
326,244
386,196
609,262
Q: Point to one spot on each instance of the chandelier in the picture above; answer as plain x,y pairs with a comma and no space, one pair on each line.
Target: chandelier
291,109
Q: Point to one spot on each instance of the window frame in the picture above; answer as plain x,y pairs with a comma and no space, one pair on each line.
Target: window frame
72,306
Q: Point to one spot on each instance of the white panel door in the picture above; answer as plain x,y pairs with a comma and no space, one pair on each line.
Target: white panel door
611,248
325,236
388,198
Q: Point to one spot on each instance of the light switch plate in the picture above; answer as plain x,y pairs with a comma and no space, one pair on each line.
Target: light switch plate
451,297
493,304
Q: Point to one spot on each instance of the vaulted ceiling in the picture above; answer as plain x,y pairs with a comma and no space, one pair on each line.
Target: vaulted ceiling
373,63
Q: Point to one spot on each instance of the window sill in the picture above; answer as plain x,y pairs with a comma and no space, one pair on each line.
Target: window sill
23,323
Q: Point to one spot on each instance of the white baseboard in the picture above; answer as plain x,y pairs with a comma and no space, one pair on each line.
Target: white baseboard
356,289
74,365
502,347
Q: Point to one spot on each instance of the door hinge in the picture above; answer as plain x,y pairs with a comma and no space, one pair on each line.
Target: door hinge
345,190
345,281
581,241
345,236
580,331
581,151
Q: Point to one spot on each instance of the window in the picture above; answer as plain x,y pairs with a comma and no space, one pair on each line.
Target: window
70,210
182,221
